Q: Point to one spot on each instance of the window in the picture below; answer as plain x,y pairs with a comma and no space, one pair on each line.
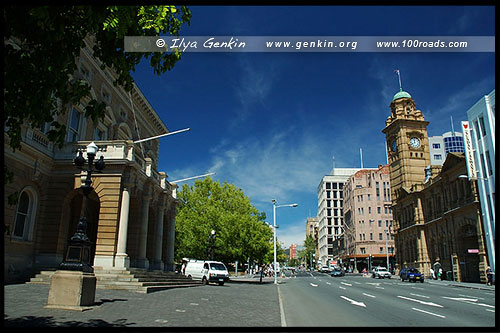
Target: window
488,161
99,134
327,186
74,126
379,236
380,223
377,185
381,250
23,224
363,250
436,145
438,157
482,128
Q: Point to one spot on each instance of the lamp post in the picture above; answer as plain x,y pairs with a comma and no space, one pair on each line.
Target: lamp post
79,246
387,246
274,233
212,244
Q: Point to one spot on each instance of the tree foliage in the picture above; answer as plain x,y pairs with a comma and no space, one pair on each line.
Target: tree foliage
41,44
241,231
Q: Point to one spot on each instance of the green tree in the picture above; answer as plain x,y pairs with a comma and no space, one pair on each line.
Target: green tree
41,44
241,232
309,250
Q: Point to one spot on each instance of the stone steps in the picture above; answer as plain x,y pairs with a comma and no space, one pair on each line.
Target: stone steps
134,279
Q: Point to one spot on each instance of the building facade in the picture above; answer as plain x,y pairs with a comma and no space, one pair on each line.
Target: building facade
331,210
481,118
292,251
436,213
368,238
132,208
441,145
312,230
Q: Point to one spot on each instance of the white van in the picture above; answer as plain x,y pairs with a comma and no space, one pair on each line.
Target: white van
207,271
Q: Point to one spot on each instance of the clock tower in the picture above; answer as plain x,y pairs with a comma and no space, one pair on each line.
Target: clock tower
407,145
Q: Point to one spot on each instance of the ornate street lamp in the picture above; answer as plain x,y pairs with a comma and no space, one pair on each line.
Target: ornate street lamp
79,246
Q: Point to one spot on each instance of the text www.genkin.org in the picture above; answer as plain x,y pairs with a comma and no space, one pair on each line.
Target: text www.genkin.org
314,44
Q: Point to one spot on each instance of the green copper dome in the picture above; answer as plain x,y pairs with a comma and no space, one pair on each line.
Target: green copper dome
401,94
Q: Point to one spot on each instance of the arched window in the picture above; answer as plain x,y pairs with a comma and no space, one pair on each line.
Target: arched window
25,215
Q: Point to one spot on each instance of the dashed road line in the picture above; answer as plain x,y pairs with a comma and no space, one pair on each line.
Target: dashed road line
369,295
419,295
421,302
434,314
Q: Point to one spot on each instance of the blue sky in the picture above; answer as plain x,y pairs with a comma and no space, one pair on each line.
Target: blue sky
270,123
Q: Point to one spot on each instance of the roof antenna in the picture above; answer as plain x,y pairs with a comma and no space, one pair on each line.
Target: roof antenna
399,77
361,156
452,128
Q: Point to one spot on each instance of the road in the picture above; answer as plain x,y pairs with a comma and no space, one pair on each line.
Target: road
317,299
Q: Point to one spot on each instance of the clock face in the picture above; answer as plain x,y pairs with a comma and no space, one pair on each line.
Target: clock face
394,145
414,142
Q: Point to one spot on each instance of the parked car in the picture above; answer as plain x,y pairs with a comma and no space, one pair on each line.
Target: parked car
411,274
337,272
325,269
381,273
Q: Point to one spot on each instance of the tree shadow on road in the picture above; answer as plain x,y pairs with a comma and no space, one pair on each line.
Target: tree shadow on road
49,321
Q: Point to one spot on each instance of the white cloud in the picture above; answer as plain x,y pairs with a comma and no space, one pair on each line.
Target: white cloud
292,234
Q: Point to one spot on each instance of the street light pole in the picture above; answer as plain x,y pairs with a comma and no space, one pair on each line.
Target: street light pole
274,234
387,247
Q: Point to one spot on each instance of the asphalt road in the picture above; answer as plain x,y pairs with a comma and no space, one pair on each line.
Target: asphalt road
317,299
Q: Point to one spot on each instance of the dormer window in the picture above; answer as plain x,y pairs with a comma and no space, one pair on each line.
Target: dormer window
106,95
86,72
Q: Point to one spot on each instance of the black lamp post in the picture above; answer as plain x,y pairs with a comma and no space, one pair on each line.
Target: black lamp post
79,246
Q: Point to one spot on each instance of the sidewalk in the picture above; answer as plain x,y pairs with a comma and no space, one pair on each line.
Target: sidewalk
255,278
470,285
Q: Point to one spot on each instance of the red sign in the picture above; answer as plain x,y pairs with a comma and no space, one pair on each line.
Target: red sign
473,250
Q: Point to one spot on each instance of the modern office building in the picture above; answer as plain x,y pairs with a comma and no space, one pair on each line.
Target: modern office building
368,239
331,210
481,118
441,145
436,212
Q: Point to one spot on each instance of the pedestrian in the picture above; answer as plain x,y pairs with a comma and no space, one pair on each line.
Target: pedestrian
183,268
432,274
489,275
440,273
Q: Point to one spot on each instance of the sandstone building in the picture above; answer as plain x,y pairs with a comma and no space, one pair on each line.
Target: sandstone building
131,218
437,215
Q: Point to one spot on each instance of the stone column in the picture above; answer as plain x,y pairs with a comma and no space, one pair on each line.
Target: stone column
142,261
170,266
122,259
157,262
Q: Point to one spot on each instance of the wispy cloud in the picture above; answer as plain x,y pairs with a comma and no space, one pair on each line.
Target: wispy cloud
271,167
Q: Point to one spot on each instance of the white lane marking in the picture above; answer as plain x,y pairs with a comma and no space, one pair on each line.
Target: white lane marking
421,302
180,310
434,314
369,295
328,283
341,287
379,287
204,299
314,285
194,304
418,288
470,296
419,295
354,302
161,321
282,311
346,284
490,310
357,282
461,299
